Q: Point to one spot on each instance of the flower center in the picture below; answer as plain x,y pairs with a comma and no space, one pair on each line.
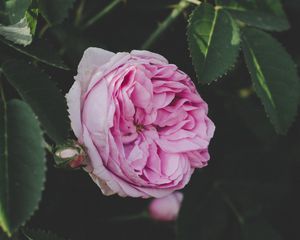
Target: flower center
139,127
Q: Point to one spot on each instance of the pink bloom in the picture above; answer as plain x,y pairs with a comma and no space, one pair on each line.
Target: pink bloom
166,208
143,123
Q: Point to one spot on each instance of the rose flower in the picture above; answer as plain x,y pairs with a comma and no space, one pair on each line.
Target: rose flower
141,120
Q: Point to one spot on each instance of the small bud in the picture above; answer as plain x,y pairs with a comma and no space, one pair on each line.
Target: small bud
70,156
166,208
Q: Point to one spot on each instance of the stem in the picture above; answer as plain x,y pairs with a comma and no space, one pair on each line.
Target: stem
179,8
230,204
194,2
43,30
4,161
102,13
236,212
79,12
48,147
2,96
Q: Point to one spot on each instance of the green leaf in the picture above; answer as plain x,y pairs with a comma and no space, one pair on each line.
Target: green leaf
12,11
214,40
55,11
254,117
40,51
42,95
19,33
32,16
274,76
33,234
265,14
22,164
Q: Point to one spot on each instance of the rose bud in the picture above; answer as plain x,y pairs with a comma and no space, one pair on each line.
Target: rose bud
70,156
142,121
166,208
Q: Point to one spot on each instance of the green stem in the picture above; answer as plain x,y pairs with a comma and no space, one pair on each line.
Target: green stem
179,8
48,147
236,212
194,2
2,96
43,30
101,14
230,204
79,12
4,160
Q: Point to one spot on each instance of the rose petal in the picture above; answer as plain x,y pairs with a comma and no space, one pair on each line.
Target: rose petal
92,59
74,107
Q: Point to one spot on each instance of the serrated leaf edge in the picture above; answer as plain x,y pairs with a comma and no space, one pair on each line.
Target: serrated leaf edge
218,75
50,82
6,229
293,118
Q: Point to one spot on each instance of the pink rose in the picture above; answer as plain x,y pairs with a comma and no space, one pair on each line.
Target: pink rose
166,208
143,123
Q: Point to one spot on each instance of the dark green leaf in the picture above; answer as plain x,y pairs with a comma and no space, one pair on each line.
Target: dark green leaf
42,95
41,51
265,14
33,234
12,11
214,40
22,164
55,11
274,76
254,117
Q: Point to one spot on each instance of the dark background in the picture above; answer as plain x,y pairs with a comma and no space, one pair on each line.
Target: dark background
253,173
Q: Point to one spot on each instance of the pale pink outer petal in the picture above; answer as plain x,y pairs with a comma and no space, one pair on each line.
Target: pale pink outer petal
113,63
95,114
102,177
92,59
74,108
149,55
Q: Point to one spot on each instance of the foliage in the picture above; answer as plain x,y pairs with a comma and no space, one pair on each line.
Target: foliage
41,94
214,40
278,84
22,164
